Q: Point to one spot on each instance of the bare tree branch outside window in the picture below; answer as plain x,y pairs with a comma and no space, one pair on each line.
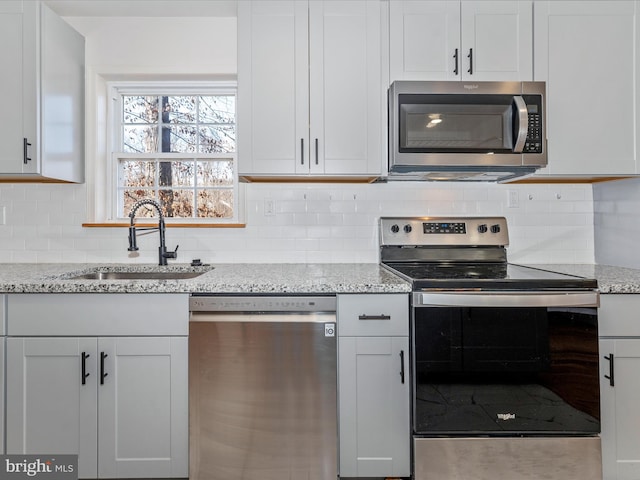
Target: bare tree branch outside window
178,150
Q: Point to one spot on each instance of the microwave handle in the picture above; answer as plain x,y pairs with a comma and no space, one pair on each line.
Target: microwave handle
522,125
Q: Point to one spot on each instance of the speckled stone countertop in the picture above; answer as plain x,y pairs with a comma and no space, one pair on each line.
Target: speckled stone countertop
260,278
222,278
610,279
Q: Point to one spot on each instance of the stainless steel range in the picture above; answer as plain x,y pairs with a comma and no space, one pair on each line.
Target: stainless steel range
504,357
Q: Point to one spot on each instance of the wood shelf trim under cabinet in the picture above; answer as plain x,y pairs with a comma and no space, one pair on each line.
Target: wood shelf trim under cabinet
569,179
306,179
168,225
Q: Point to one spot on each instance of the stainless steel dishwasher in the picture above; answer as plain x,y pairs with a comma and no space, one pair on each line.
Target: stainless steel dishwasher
262,388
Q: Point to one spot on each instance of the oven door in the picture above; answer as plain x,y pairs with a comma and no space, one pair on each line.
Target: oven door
505,364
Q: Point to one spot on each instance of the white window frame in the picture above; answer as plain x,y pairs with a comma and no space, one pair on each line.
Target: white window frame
116,89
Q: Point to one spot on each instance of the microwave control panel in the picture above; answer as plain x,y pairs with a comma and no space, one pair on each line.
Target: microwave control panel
534,141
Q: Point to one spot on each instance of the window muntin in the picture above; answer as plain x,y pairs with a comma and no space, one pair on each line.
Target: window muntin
185,187
179,149
178,123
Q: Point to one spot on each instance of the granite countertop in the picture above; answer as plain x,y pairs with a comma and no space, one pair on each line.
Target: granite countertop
261,278
218,278
611,279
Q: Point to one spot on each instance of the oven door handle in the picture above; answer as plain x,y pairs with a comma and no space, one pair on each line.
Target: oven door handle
507,299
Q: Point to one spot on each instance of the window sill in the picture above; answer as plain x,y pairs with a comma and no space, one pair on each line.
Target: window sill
168,225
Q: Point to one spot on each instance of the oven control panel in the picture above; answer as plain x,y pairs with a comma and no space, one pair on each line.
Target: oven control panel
447,231
444,227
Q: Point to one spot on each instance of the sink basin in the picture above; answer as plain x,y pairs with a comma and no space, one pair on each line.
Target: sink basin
137,275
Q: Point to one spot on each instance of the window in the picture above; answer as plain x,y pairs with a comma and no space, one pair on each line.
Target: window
176,145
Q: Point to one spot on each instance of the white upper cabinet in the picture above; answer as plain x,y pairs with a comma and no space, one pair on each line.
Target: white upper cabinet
11,130
468,40
586,51
310,92
42,131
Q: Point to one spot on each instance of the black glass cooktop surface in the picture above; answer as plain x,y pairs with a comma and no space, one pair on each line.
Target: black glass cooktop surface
486,276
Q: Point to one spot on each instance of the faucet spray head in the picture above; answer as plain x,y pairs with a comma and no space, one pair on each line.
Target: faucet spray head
133,247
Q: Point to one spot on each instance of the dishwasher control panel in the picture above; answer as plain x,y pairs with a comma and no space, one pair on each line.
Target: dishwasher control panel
269,303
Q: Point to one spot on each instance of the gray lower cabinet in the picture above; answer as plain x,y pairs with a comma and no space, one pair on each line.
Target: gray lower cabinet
619,327
3,308
105,387
373,385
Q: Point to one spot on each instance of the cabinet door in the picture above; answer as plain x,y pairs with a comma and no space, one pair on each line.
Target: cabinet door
49,408
3,341
61,152
42,78
469,40
143,414
591,86
273,87
12,85
345,87
619,407
374,407
497,40
424,42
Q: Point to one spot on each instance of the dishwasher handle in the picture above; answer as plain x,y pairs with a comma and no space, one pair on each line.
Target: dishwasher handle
507,299
256,317
262,304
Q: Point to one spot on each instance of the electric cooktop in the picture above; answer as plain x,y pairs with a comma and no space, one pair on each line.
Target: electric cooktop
462,253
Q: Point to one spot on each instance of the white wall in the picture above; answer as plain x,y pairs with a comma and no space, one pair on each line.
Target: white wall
153,45
312,223
616,226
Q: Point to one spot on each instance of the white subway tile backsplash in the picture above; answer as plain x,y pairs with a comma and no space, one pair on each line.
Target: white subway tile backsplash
15,244
12,192
24,256
36,243
475,194
49,256
616,226
310,223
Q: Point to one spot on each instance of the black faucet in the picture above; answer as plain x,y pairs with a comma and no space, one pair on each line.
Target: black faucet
162,250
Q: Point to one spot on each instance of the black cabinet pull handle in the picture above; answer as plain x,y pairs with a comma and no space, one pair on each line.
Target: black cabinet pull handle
455,55
470,57
374,317
25,151
610,377
302,151
316,151
402,366
84,376
103,374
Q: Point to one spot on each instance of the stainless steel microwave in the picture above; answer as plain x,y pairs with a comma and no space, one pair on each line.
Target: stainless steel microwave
478,131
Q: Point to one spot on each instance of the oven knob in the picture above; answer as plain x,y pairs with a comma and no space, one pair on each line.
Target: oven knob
495,228
407,229
482,228
395,228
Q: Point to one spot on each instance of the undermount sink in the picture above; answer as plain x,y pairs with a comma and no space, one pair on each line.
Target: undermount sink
137,275
111,272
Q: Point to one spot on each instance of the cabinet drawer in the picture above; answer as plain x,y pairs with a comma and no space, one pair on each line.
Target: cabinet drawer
373,315
100,314
618,316
3,314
